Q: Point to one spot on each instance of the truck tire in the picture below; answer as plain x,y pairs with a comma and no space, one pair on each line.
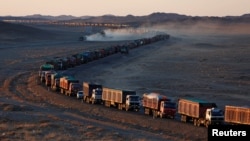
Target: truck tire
206,123
87,99
161,116
183,118
195,122
198,122
155,114
126,108
107,103
61,91
146,111
120,106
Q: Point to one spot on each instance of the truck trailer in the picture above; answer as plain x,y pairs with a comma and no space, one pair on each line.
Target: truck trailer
238,115
122,99
200,112
92,93
158,105
69,85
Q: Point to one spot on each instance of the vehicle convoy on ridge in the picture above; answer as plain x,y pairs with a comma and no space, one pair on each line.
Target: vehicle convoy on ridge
200,112
158,105
122,99
92,93
69,85
237,115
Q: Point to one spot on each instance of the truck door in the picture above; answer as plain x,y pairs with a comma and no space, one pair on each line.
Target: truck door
208,114
162,107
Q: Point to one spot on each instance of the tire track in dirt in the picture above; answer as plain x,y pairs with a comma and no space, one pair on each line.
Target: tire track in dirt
16,86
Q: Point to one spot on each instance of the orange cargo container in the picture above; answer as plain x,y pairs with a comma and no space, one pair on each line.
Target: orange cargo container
158,105
122,99
237,115
199,112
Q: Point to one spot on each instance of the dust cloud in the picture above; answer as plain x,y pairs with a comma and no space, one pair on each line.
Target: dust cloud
124,34
173,29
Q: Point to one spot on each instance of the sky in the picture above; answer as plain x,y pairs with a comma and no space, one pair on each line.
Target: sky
124,7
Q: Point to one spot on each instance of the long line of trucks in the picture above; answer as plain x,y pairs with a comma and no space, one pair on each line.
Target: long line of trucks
198,111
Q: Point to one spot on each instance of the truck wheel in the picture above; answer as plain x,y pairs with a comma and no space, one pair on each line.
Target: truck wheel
198,123
127,108
183,118
195,122
154,114
161,116
206,124
145,111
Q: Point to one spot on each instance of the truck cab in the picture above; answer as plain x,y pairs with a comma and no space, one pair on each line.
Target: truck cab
43,69
214,116
47,75
132,102
167,109
74,88
96,95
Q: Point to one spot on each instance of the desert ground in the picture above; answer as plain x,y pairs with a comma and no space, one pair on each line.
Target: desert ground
204,61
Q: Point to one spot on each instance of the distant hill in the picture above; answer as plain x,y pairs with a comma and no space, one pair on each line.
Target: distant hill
18,32
43,17
134,20
131,20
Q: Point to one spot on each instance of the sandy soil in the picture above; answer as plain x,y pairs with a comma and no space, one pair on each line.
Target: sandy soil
210,64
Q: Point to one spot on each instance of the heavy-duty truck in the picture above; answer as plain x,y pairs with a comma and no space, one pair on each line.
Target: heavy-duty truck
199,112
48,77
43,69
92,93
158,105
122,99
55,81
69,85
238,115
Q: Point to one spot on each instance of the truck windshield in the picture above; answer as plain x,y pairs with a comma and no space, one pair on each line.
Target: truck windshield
217,113
134,98
169,105
98,92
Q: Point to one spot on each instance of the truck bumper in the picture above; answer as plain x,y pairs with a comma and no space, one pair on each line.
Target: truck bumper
134,107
